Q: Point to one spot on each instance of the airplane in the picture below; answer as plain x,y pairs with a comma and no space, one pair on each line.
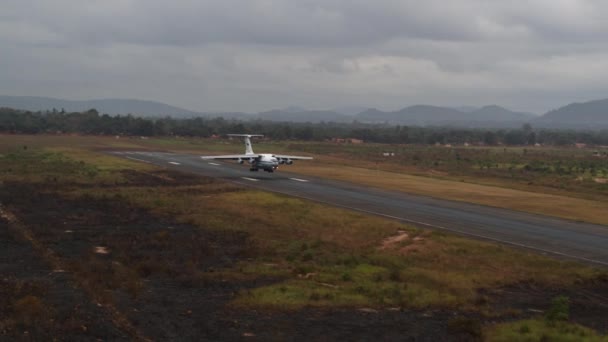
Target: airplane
265,161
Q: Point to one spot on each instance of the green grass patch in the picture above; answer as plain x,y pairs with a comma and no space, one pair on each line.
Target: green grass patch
533,330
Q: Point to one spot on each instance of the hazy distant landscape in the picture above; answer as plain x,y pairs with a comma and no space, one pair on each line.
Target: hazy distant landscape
588,115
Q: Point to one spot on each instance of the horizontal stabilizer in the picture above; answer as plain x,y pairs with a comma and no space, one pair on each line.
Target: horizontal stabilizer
245,135
281,156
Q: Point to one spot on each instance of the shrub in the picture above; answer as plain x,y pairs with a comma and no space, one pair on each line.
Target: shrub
346,276
560,309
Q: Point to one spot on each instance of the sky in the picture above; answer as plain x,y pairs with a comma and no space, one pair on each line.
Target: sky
255,55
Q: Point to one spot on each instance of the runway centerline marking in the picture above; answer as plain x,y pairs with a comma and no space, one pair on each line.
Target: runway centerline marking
251,179
175,163
299,180
139,160
216,164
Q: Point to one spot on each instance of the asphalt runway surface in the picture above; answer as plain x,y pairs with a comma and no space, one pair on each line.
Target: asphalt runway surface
553,236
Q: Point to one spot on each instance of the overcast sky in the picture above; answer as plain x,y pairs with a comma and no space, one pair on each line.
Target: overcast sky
253,55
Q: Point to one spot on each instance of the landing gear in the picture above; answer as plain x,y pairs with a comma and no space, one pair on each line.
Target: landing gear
269,170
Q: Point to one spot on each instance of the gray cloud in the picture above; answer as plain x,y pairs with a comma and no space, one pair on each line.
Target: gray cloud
258,54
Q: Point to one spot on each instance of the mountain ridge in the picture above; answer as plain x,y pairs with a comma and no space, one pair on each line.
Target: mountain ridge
585,115
591,114
106,106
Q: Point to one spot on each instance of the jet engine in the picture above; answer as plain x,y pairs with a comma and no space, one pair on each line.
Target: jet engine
289,162
241,161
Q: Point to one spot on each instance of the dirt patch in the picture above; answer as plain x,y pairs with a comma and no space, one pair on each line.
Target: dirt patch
391,241
403,244
101,250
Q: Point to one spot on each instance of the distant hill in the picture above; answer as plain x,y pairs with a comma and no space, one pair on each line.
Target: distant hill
106,106
493,113
305,116
419,115
373,115
425,115
592,115
350,110
229,115
466,109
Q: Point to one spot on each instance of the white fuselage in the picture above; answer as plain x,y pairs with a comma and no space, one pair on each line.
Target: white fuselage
266,162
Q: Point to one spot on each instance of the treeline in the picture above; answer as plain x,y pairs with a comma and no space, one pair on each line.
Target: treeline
91,122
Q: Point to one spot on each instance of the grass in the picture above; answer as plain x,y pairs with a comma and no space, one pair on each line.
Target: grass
334,257
541,330
317,255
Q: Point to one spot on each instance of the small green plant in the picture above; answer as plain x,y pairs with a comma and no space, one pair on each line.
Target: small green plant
560,309
346,276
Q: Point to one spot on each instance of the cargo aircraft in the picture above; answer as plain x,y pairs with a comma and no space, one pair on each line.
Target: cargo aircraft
265,161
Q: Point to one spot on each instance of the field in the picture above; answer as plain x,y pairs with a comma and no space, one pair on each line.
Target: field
100,247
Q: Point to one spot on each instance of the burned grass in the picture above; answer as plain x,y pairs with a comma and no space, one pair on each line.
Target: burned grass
185,257
38,302
147,262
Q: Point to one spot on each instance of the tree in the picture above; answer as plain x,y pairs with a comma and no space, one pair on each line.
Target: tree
515,137
489,138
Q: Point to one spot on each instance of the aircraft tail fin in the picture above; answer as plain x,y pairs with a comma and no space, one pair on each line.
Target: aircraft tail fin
247,138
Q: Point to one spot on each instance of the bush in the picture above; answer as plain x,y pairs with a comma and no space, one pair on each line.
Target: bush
346,276
560,309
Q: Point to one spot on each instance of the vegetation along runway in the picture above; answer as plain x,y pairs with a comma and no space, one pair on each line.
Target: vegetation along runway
560,237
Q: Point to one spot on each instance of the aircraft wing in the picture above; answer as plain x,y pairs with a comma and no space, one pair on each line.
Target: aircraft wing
232,156
282,156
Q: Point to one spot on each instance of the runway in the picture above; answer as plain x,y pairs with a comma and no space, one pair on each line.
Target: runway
576,240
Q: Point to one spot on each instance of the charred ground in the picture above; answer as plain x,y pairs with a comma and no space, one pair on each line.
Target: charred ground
77,266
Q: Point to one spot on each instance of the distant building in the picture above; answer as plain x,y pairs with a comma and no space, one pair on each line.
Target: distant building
580,145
